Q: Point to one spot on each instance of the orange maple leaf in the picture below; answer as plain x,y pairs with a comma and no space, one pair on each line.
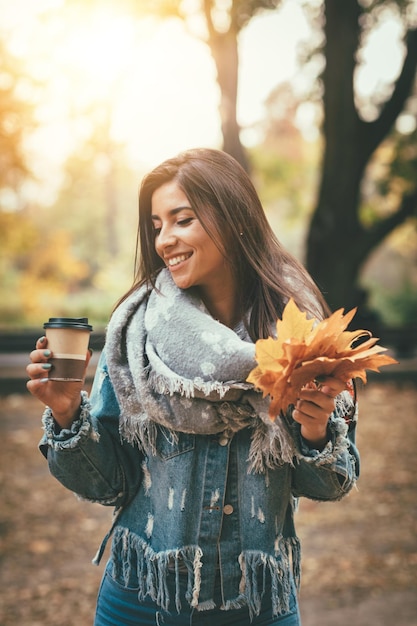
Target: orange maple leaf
306,350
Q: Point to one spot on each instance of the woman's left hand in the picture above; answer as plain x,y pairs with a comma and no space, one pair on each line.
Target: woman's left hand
313,409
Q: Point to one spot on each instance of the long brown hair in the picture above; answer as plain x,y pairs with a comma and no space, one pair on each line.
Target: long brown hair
228,207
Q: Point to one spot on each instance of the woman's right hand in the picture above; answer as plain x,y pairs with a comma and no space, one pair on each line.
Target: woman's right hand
63,398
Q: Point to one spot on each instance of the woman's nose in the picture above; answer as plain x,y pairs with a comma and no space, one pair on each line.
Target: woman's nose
166,237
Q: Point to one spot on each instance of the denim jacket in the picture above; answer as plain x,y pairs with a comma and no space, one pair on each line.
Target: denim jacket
193,506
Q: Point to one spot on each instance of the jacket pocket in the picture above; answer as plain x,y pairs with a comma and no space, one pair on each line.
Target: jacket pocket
170,444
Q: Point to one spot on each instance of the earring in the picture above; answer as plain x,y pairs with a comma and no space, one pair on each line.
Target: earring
241,234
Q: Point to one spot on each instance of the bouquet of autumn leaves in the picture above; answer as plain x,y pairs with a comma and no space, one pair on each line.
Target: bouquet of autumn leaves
305,352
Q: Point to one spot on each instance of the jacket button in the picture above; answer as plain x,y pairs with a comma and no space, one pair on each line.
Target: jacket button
228,509
223,441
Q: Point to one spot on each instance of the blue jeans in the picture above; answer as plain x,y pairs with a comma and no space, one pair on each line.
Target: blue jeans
119,606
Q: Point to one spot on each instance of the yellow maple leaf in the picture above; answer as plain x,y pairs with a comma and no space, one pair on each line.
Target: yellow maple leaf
305,350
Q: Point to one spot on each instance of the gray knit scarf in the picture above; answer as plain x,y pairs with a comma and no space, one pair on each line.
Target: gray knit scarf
173,365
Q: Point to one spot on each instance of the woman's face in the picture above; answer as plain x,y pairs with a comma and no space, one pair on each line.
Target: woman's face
187,250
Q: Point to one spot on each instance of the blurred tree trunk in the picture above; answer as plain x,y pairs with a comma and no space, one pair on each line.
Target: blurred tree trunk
223,22
223,43
338,243
225,54
224,50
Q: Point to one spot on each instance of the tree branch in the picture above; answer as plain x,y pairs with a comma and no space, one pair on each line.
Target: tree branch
407,208
375,132
243,11
207,4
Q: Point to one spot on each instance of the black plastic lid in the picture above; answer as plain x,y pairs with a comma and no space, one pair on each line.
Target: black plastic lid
79,323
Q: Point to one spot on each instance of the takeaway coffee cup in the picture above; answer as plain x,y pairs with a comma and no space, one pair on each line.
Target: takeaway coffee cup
68,339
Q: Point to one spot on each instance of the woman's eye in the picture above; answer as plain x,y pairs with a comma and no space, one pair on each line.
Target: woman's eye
185,221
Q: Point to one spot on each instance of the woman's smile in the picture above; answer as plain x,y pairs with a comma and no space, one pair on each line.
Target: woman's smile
186,248
173,262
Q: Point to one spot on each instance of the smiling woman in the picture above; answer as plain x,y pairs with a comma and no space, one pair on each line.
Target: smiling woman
174,435
192,256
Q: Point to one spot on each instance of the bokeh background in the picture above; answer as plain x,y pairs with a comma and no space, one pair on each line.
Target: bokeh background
318,101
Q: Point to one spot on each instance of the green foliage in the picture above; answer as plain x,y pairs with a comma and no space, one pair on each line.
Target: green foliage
76,256
285,168
35,268
49,278
289,182
403,166
391,174
390,277
403,304
398,308
18,237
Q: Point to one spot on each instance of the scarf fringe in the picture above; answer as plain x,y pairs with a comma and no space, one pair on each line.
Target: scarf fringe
142,432
271,446
151,568
196,387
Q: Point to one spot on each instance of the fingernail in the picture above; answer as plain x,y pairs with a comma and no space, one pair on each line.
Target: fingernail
46,366
90,351
44,380
42,340
46,353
